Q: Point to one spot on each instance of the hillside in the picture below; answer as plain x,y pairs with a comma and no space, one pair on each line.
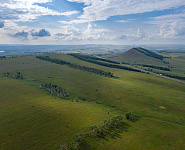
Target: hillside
138,56
33,118
168,64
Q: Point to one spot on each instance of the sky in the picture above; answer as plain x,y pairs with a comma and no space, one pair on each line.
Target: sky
78,22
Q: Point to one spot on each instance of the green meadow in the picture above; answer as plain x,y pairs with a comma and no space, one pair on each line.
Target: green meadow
31,118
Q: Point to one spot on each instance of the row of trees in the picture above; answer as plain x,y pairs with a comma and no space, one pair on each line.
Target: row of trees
15,75
155,67
95,58
149,53
89,69
84,58
54,90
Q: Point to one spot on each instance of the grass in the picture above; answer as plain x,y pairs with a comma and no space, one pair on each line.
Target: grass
159,102
30,119
148,133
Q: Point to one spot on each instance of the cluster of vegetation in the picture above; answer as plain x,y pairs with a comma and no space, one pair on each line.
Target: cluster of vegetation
2,57
15,75
84,58
155,67
149,53
81,141
132,117
89,69
54,90
106,126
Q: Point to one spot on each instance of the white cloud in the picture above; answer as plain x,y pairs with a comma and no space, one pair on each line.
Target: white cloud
170,26
74,21
92,32
167,18
86,2
123,21
103,9
134,35
172,30
27,10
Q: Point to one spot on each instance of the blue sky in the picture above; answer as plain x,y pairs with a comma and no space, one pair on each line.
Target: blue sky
92,22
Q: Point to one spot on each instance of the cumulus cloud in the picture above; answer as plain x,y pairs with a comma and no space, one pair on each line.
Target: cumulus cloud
94,33
41,33
102,9
170,26
21,34
172,30
140,34
135,36
1,24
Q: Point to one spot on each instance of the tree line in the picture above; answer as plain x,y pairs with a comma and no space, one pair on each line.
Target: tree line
84,58
89,69
97,58
155,67
54,90
149,53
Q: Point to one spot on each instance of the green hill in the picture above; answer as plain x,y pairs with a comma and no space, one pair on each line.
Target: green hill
33,118
169,64
138,56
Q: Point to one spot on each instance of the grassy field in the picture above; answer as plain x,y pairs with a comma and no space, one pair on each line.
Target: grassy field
32,119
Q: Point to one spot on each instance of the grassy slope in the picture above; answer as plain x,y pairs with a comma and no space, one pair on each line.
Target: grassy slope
160,102
133,56
29,117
